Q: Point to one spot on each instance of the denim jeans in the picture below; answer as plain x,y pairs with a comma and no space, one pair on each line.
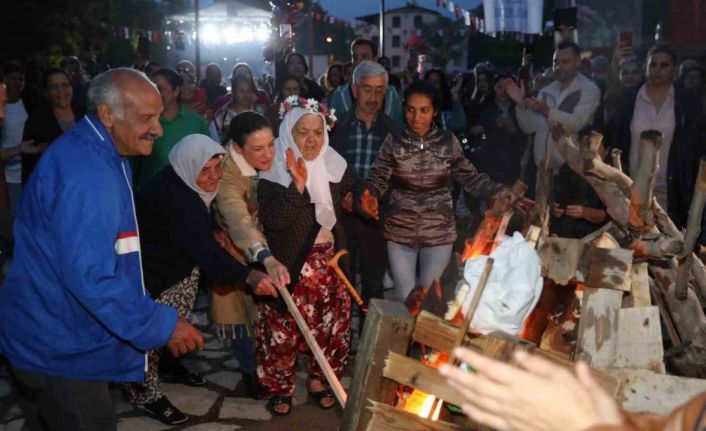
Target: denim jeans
403,264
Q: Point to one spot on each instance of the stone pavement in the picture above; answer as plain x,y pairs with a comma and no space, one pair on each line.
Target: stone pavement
220,405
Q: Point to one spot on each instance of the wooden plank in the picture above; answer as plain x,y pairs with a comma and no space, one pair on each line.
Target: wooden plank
598,326
640,340
388,418
532,236
560,258
608,268
642,391
411,372
639,287
388,327
435,332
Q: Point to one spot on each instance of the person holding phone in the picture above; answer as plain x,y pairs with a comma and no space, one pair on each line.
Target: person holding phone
625,73
678,115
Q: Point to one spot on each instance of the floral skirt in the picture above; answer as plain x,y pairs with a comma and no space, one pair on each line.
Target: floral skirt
324,302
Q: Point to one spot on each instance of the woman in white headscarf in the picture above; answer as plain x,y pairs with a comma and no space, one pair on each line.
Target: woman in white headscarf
177,244
300,209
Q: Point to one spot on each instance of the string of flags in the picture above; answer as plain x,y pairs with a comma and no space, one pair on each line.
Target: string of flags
477,24
128,32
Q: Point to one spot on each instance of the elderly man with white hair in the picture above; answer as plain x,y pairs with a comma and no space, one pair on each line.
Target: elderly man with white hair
358,137
75,311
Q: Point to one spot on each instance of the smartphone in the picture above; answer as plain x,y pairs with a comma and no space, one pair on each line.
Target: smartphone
625,38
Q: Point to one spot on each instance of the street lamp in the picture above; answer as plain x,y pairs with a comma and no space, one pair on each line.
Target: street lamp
329,39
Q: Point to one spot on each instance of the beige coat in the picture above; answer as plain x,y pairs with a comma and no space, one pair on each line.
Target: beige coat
236,209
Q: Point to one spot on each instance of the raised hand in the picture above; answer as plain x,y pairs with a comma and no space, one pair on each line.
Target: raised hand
517,94
184,339
369,205
297,169
347,202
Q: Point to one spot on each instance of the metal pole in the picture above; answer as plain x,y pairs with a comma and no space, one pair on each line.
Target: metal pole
382,28
197,42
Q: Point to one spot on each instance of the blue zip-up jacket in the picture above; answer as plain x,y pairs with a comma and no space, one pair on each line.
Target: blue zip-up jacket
74,303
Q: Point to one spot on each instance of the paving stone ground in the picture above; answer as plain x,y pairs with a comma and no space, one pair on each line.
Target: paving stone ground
219,405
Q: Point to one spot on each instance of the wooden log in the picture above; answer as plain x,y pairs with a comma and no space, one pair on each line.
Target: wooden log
639,287
435,332
331,377
384,417
532,235
598,326
639,340
560,258
607,268
411,372
615,157
693,229
641,217
388,327
642,391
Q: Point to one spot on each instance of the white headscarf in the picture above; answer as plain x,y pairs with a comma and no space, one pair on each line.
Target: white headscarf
189,156
327,167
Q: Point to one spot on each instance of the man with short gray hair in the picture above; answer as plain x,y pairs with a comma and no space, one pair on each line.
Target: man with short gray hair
358,137
75,312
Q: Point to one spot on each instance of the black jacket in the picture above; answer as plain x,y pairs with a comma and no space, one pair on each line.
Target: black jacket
289,220
43,128
688,146
176,235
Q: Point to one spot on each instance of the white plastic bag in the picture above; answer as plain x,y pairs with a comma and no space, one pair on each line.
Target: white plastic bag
513,289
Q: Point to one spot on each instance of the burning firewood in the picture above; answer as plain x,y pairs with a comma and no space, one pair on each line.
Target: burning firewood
639,223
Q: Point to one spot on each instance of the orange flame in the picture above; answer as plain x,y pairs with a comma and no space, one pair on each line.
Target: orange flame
425,405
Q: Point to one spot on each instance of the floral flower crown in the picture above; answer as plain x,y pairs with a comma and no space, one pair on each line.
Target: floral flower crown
312,105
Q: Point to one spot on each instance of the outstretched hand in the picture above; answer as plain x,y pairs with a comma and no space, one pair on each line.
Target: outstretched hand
369,205
297,169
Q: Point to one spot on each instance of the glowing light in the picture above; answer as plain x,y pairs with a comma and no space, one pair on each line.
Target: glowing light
329,39
210,34
262,34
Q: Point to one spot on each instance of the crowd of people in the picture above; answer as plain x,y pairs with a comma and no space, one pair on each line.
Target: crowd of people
126,193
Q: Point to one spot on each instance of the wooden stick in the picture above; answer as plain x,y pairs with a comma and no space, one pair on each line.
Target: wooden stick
333,263
693,228
615,155
474,305
315,349
501,230
642,190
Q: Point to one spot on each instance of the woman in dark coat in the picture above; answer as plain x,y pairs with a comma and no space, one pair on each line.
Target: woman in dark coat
300,210
51,119
177,244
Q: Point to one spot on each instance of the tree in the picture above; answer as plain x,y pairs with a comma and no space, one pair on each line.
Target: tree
444,39
340,35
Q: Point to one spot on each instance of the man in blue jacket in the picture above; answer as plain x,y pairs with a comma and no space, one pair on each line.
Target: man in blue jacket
75,311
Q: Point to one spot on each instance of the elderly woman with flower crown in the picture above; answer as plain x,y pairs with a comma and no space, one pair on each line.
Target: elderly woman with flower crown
300,209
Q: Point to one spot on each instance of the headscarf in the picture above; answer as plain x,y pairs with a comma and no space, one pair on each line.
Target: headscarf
189,156
327,167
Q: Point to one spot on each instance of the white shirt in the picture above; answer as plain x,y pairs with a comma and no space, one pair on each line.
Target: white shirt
533,122
646,117
12,129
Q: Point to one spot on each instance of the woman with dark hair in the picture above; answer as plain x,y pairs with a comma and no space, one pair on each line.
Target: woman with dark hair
678,115
192,97
347,72
482,93
51,119
251,149
333,78
242,99
177,245
287,86
451,117
176,122
262,100
415,168
297,67
212,84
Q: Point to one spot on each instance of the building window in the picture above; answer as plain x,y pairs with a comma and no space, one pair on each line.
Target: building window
395,41
396,61
396,22
376,40
417,21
